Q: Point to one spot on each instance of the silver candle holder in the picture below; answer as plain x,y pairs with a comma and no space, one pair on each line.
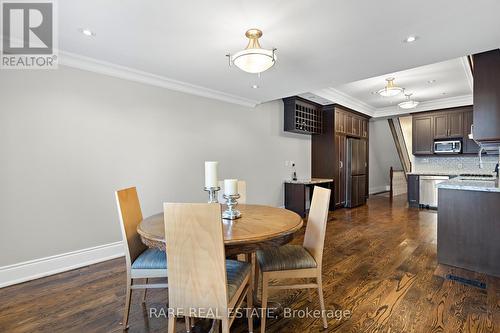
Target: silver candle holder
231,213
212,194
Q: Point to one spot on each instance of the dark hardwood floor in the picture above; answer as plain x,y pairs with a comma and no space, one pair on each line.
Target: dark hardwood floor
379,263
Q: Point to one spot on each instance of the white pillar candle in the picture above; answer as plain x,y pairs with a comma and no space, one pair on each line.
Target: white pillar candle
230,186
211,174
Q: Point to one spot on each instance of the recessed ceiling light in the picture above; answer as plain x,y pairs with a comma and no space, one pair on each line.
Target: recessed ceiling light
87,32
254,86
431,81
411,39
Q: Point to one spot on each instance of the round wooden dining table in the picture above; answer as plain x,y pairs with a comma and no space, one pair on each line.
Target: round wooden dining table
259,227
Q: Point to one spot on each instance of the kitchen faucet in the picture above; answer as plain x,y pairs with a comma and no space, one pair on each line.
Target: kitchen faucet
481,149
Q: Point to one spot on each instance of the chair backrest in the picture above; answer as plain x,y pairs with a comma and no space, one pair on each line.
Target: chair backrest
314,238
130,215
242,189
196,259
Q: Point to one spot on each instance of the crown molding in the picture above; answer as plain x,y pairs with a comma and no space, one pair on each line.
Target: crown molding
346,100
468,72
126,73
442,103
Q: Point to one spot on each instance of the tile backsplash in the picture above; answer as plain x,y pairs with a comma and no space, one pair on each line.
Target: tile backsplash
455,164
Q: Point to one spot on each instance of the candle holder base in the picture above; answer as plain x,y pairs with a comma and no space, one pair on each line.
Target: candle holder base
231,213
212,194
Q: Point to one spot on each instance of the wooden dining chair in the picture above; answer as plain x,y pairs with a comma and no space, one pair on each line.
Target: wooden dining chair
142,263
202,283
242,189
298,261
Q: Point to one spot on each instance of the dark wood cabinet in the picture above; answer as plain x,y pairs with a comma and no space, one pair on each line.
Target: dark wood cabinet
364,128
440,126
422,135
339,121
470,147
340,146
329,151
302,116
487,96
448,125
455,124
413,190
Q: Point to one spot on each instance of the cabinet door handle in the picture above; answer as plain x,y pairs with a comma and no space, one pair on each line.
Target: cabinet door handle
341,164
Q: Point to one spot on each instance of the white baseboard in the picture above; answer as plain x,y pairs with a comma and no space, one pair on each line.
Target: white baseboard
378,189
38,268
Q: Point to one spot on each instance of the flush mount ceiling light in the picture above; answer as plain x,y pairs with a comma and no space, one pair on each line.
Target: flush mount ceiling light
87,32
253,59
411,39
408,103
390,89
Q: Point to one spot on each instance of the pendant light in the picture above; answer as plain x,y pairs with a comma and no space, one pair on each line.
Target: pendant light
390,89
253,59
408,103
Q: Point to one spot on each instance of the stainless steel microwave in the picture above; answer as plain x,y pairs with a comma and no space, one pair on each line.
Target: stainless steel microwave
448,147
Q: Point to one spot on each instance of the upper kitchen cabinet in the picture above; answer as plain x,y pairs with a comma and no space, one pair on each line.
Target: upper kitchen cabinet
470,147
448,125
423,133
487,96
442,125
302,116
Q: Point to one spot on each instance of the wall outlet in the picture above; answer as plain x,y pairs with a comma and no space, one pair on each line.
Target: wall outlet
287,163
460,166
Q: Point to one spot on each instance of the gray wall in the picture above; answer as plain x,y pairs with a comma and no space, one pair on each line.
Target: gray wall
70,138
383,155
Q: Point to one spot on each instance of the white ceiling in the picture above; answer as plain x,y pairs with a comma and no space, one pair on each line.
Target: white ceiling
451,79
182,44
448,83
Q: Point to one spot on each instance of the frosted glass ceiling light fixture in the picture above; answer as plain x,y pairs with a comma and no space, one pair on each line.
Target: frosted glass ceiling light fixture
390,89
408,103
253,59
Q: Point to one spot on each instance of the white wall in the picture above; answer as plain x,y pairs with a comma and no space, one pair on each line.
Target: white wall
383,155
69,139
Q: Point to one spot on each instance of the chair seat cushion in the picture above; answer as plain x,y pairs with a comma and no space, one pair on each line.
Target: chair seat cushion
151,259
236,272
285,258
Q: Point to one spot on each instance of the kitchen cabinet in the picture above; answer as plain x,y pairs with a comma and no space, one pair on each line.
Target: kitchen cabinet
339,121
413,190
340,145
302,116
328,156
364,128
422,133
448,125
470,147
487,96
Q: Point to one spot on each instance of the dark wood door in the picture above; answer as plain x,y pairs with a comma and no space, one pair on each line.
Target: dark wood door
348,123
422,135
441,126
470,147
413,190
487,96
456,124
362,157
339,121
356,126
339,181
358,184
364,128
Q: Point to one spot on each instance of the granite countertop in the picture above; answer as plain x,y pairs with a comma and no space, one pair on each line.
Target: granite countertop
434,173
310,181
470,185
